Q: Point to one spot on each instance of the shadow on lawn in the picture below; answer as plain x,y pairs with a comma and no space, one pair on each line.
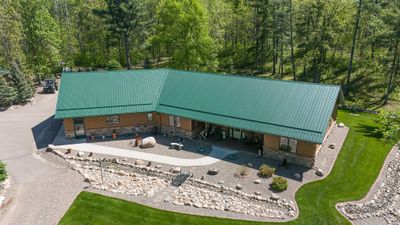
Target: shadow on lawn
369,131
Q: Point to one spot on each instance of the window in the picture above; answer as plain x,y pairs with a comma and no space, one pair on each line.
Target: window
112,120
149,117
174,121
287,144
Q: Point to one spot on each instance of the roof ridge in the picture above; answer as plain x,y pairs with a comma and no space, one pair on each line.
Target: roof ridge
250,76
234,75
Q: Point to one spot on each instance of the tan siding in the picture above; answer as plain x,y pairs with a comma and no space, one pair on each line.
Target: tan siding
125,120
68,124
271,141
186,123
307,148
164,119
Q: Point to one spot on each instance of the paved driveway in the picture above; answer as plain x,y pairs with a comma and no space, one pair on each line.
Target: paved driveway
43,188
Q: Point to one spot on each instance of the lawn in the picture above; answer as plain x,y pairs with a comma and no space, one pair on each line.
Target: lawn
355,170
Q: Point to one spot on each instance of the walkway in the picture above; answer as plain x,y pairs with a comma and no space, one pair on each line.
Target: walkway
215,155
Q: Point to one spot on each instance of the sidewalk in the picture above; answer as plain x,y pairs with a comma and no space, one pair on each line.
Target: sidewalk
216,154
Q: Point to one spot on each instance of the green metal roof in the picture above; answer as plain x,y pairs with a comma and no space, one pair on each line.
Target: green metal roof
285,108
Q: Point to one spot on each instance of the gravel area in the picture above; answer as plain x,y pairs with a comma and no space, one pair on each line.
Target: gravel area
383,200
226,178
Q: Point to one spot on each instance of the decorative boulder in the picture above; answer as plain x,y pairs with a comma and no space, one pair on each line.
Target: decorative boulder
148,142
158,166
257,181
250,165
332,146
213,171
89,180
221,182
275,197
139,162
257,193
176,170
239,187
319,172
340,125
80,154
297,176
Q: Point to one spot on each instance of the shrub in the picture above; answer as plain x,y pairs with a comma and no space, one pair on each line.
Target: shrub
279,184
242,171
266,171
3,172
113,65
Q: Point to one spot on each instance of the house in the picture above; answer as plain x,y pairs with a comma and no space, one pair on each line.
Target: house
290,119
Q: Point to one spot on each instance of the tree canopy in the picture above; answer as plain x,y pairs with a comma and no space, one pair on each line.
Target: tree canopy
350,43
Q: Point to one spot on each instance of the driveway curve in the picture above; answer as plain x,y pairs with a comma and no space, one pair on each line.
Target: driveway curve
42,188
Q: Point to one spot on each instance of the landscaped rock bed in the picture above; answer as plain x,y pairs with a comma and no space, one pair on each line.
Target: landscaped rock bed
385,203
201,194
119,177
140,179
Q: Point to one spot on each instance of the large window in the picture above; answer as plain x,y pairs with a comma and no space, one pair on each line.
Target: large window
287,144
112,119
174,121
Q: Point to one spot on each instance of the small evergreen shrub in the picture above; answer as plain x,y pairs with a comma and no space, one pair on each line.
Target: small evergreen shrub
3,172
279,184
242,171
266,171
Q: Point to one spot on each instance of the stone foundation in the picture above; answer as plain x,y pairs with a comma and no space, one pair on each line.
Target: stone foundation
290,157
69,134
178,132
121,130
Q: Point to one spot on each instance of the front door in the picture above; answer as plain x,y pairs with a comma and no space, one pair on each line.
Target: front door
79,127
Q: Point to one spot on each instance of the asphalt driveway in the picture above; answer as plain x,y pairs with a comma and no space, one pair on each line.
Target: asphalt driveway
43,188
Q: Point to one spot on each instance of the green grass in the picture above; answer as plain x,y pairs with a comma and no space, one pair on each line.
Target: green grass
354,172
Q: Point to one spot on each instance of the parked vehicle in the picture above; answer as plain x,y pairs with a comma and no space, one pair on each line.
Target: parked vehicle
50,86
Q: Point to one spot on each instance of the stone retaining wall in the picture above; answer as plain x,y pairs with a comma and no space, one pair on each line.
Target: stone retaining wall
290,157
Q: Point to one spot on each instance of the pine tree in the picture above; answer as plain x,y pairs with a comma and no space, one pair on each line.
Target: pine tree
8,95
22,84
